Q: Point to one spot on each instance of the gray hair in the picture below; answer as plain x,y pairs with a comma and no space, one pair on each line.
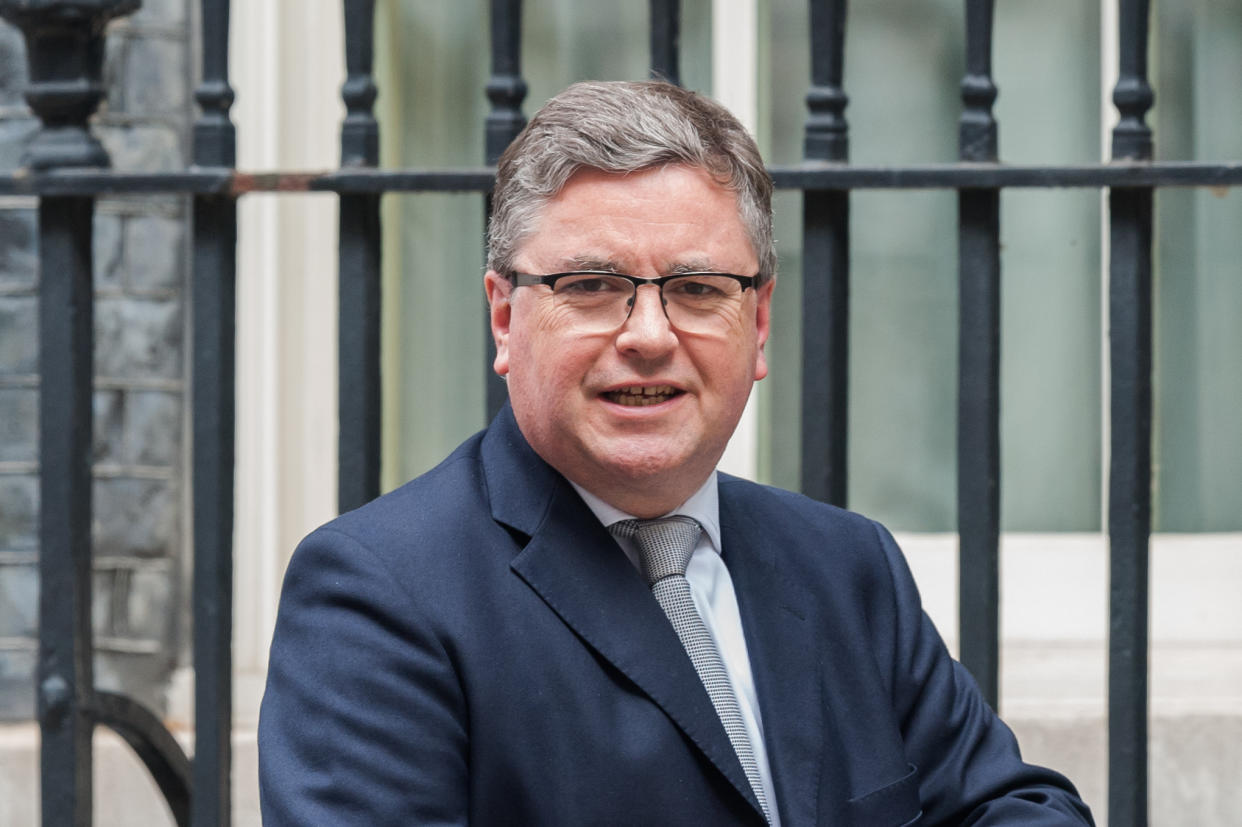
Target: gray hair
625,127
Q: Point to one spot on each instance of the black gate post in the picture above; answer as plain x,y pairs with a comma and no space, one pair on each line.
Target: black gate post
66,343
506,90
214,344
826,267
64,51
666,40
978,400
1129,490
358,335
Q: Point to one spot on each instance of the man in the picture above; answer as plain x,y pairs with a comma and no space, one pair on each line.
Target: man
574,619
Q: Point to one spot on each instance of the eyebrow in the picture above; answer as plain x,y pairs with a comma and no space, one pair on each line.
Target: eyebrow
611,266
693,266
592,263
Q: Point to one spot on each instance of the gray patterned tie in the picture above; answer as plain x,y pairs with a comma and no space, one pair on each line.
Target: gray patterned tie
664,549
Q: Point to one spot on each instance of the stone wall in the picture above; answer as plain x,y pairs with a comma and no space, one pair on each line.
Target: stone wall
140,524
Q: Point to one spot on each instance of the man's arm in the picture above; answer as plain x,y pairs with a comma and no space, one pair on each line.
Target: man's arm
968,761
363,720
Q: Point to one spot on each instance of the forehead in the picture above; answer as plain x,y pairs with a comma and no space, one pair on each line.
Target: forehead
657,219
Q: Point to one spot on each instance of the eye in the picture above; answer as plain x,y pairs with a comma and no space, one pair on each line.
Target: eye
697,287
583,286
590,285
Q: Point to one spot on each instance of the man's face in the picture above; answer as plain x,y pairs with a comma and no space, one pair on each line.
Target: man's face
573,394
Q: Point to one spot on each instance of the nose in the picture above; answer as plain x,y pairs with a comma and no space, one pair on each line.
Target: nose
647,332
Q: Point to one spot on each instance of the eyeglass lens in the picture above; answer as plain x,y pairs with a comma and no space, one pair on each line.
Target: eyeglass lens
697,303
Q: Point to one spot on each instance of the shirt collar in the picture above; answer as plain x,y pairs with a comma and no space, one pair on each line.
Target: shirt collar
703,505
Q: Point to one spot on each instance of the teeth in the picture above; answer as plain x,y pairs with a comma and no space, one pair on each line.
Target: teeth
642,395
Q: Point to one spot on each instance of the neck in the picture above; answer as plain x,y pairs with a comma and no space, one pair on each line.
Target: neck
646,506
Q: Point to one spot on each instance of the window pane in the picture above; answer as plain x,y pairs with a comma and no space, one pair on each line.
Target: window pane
1050,360
903,66
432,68
1047,68
1198,292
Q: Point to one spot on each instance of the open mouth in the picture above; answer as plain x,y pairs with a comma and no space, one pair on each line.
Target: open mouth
642,395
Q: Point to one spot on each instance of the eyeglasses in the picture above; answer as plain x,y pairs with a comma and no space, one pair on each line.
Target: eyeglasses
598,301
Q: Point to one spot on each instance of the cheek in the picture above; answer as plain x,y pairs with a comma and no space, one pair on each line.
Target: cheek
540,341
551,321
544,367
731,362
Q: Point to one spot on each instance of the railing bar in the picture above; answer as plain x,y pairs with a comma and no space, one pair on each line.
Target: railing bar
153,744
825,268
213,377
994,176
666,40
478,180
1129,513
978,420
808,176
359,389
66,366
213,343
825,345
506,90
1130,412
978,438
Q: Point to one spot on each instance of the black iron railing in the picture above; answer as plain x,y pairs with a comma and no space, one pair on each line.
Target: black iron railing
66,170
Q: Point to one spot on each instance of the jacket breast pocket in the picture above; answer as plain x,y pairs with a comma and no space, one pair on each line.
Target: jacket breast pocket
893,805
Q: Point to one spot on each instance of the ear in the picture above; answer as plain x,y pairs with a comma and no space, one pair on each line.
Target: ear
763,326
498,288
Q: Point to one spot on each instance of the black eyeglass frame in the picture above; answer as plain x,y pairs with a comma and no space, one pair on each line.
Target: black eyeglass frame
530,279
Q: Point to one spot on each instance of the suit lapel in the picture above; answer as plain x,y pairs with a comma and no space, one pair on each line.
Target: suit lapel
576,567
778,619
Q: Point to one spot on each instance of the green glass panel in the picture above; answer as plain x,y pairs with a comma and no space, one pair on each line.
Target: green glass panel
903,66
432,69
1198,291
1047,68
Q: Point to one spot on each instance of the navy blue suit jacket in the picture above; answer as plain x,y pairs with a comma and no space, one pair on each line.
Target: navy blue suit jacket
475,648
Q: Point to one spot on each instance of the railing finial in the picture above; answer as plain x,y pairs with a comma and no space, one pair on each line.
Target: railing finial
360,131
977,126
64,52
505,88
827,132
1133,94
215,137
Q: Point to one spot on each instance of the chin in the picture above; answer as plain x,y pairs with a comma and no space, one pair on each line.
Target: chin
653,462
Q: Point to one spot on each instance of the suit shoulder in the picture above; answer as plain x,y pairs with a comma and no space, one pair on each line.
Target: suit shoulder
768,504
427,510
813,537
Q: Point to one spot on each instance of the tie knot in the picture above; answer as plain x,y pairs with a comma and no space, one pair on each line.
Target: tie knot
664,545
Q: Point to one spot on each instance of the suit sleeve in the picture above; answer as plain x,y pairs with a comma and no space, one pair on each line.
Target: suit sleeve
968,761
363,719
